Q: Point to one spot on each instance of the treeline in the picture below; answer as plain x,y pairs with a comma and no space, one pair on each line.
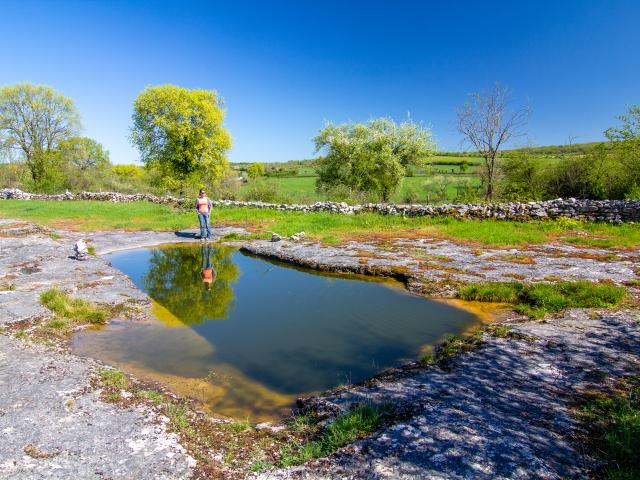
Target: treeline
182,142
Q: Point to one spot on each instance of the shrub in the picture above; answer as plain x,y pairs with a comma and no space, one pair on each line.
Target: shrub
343,193
255,170
263,191
410,195
437,189
370,157
522,178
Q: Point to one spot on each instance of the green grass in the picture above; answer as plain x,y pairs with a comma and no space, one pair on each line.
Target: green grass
303,189
260,465
113,378
538,299
614,423
179,419
452,346
301,423
346,428
327,227
153,396
237,426
73,309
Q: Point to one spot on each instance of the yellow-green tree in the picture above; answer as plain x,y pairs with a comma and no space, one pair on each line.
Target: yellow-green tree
180,132
255,170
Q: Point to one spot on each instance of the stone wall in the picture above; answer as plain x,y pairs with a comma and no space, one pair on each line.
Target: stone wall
614,211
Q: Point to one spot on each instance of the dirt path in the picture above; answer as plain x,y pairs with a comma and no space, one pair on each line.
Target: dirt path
502,411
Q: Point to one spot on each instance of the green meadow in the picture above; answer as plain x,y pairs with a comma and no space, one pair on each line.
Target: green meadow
325,227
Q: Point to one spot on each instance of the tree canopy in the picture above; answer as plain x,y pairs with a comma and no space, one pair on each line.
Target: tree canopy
83,153
179,132
370,157
255,170
34,119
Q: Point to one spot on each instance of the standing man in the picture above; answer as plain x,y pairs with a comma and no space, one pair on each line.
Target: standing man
203,209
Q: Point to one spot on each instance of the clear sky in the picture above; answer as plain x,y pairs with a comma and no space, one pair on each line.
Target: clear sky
286,67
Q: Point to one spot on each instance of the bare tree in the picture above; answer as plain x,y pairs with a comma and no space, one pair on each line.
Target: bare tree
487,122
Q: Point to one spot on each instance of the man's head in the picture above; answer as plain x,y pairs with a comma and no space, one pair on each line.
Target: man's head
202,192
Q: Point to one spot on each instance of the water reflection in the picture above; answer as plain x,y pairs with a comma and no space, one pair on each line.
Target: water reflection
207,272
193,284
286,331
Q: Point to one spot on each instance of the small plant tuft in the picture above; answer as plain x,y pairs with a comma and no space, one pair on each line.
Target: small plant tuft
153,396
356,423
72,308
238,426
113,378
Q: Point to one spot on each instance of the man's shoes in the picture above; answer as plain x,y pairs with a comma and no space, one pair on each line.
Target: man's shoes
201,239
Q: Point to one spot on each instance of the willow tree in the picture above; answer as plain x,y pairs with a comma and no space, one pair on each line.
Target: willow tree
34,119
179,132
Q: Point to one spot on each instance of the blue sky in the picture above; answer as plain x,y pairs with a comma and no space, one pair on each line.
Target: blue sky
284,68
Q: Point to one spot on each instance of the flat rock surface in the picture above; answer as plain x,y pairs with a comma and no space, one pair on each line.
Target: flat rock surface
502,411
54,426
52,421
427,261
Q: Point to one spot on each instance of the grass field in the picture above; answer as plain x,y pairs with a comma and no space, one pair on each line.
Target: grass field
325,227
420,188
443,180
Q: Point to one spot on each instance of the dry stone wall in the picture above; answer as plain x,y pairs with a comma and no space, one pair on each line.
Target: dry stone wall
613,211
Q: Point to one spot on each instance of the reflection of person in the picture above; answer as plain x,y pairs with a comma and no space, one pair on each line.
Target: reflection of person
203,209
207,272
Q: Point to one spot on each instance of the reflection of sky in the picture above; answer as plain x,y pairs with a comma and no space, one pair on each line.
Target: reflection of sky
294,331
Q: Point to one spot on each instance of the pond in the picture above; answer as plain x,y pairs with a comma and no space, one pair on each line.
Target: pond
248,336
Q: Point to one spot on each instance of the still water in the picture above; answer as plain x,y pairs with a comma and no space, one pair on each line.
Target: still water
247,336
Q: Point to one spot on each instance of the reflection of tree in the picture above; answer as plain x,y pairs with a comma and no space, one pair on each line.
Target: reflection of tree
174,280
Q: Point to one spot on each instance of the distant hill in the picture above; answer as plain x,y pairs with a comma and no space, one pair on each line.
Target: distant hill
574,148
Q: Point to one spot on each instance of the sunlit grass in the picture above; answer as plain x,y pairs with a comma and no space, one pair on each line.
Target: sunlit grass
326,227
74,309
538,299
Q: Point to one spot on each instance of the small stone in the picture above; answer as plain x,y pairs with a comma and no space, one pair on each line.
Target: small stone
275,237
